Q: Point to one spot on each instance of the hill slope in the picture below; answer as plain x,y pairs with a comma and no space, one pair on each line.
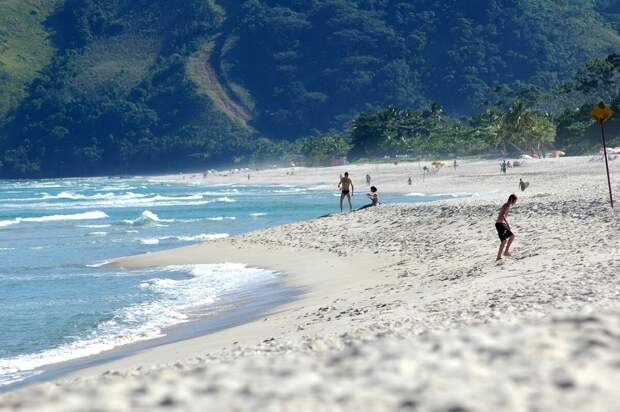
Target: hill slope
116,96
315,63
204,68
148,85
25,47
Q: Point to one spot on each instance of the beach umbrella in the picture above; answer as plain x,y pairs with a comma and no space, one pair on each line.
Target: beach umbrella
558,153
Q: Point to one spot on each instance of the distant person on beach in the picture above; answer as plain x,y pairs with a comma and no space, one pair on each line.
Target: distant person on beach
455,164
367,179
346,190
502,167
503,228
409,181
374,198
523,185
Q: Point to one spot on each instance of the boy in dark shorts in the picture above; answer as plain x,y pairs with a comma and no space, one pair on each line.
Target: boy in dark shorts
503,228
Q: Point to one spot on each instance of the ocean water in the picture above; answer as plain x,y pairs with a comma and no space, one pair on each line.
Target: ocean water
58,302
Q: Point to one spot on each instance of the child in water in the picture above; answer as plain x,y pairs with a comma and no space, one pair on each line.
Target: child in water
503,228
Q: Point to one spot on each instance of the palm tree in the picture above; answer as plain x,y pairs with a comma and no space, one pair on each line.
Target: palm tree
523,126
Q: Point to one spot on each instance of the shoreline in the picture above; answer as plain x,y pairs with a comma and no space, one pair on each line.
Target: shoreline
295,272
401,306
174,334
234,310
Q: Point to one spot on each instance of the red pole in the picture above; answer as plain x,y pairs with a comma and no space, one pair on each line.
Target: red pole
611,198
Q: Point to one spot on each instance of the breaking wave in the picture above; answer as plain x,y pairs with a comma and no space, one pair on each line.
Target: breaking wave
55,218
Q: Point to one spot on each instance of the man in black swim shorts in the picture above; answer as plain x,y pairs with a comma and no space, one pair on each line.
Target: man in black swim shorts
503,228
346,190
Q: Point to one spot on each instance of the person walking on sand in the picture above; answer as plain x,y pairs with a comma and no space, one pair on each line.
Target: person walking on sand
346,190
368,179
504,231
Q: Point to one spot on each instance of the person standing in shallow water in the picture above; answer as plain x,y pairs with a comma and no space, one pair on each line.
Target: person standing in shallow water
503,228
346,190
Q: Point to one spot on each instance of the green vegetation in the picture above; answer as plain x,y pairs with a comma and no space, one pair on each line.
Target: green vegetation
116,97
25,47
317,64
132,86
426,133
312,151
200,70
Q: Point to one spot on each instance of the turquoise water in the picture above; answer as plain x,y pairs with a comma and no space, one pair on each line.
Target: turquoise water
58,303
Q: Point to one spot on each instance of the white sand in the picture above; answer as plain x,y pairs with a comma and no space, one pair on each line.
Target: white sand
471,176
404,307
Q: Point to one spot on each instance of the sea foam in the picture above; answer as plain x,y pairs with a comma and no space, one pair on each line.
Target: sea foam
147,218
73,200
203,237
173,302
55,218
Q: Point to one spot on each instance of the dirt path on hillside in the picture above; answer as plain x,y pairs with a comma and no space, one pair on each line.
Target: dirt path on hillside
206,70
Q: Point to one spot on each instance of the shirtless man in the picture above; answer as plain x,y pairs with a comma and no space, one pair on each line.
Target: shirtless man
346,190
503,228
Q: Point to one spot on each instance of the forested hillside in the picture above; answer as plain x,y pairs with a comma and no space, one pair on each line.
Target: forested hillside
316,63
116,97
122,86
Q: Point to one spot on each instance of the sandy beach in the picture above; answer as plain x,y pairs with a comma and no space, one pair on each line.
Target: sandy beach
400,307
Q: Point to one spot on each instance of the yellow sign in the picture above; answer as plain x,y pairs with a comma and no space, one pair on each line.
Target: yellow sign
602,112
